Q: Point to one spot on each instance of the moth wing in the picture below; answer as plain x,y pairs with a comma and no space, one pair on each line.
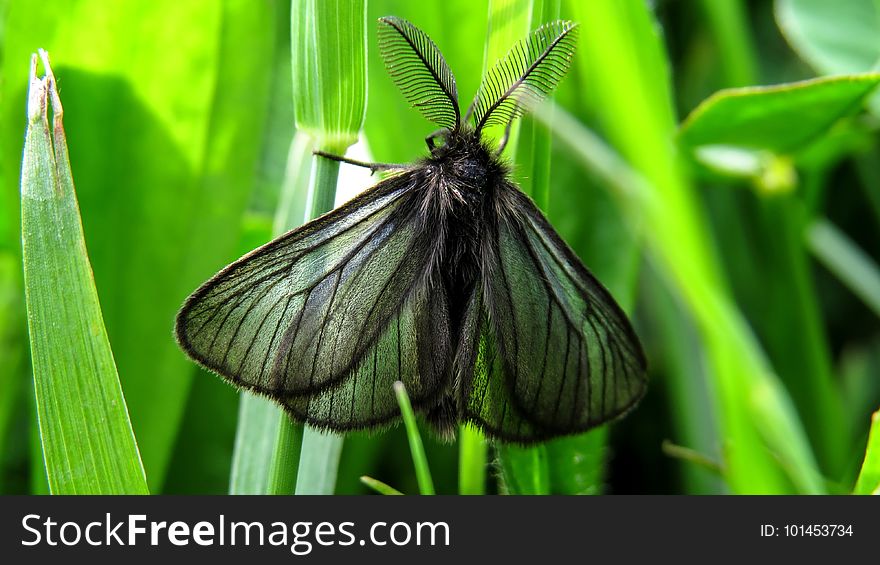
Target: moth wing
565,356
413,348
486,398
303,313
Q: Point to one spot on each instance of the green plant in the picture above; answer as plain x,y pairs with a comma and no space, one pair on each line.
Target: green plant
739,227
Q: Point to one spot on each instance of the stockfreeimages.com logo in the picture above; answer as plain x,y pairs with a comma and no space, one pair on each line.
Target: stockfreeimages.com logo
300,537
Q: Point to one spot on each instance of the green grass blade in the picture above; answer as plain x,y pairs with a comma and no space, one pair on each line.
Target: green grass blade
524,470
729,25
88,443
869,476
472,452
329,70
13,357
509,21
417,450
328,66
379,486
850,264
774,124
167,136
254,459
254,445
320,452
329,82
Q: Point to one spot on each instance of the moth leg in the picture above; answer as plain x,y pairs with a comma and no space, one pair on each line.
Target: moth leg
503,143
372,166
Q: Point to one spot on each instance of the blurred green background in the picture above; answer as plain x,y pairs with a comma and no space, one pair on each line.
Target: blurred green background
742,237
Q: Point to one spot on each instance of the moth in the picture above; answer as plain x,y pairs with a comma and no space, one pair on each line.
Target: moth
444,276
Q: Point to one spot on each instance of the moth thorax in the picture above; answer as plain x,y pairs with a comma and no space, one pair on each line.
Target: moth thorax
471,171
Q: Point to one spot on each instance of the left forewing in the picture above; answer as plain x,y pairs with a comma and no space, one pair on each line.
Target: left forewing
337,300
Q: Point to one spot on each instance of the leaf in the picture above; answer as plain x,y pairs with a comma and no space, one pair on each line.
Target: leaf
419,71
528,73
869,477
781,118
88,443
833,37
167,140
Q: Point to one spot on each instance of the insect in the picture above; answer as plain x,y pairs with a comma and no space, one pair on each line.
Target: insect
444,276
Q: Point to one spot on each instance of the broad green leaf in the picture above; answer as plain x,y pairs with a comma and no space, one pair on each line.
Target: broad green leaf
781,118
833,37
869,477
88,444
166,146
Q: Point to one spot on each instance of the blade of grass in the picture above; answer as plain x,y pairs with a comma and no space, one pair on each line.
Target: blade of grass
328,62
12,352
730,30
164,167
524,470
319,456
869,477
379,486
253,457
88,444
472,452
682,363
329,81
851,265
417,450
254,445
